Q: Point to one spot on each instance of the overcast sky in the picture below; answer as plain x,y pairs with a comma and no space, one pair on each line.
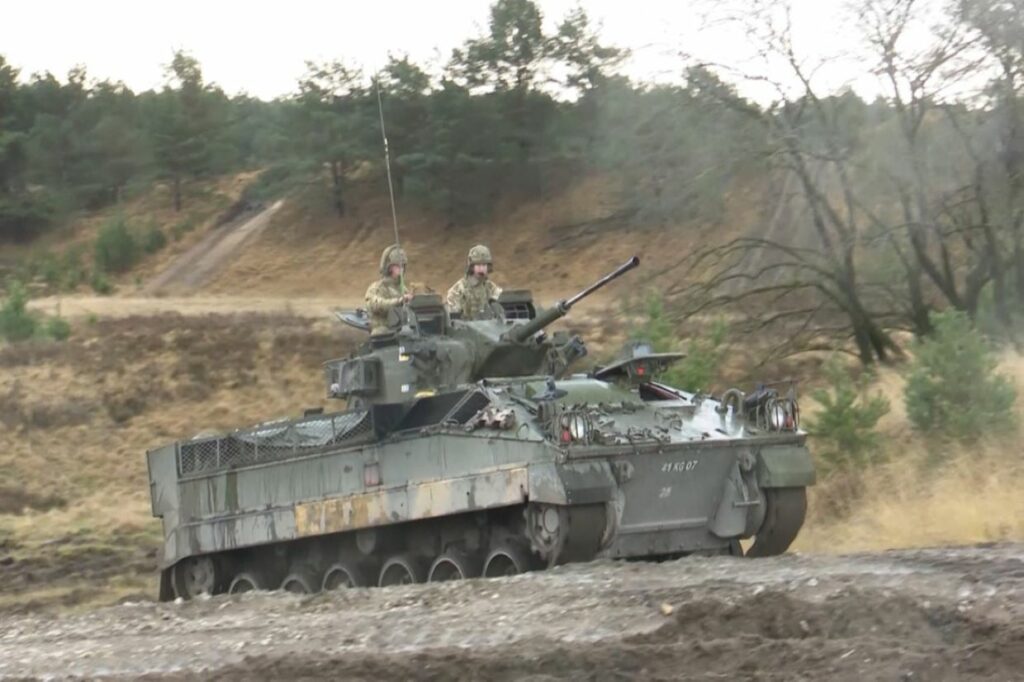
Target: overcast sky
260,47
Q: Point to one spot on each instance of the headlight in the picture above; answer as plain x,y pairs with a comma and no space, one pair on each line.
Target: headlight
576,427
782,414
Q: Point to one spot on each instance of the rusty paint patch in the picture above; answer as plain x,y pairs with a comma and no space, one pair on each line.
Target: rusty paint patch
411,502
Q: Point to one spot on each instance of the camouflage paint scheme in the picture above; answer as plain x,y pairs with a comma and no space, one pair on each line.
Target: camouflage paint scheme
685,493
450,418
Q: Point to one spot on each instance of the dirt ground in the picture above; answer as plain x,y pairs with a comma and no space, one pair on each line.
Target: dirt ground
902,615
208,256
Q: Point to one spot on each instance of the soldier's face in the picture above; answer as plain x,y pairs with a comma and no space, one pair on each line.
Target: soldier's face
394,271
480,269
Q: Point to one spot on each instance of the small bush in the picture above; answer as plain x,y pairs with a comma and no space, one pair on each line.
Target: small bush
63,271
56,328
116,248
100,284
953,389
48,266
844,430
153,240
703,358
16,323
72,273
697,370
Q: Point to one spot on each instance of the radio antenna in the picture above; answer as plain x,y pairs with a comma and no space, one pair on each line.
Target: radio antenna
387,166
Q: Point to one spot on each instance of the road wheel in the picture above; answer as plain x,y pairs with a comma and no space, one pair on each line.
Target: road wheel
342,575
301,580
403,569
785,509
507,560
247,582
194,576
453,565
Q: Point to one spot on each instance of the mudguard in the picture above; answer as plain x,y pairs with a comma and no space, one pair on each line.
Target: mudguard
587,482
741,508
785,466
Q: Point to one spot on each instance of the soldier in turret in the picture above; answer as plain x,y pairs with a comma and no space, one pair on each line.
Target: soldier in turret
387,293
471,294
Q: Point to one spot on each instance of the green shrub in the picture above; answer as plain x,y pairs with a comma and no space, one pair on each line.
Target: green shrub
48,266
953,389
100,284
16,323
63,271
153,240
697,370
56,328
844,429
72,273
116,248
657,328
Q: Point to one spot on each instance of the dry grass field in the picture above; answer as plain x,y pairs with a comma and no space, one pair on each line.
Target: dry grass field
78,416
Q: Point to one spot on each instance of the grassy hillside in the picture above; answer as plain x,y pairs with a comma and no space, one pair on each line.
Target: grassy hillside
63,260
137,372
552,245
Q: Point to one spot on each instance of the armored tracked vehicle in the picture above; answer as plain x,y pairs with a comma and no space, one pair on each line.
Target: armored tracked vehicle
467,448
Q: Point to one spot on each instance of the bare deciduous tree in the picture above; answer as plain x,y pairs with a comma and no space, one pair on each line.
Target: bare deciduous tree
930,188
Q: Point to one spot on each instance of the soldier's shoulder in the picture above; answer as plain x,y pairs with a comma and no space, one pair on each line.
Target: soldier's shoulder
374,286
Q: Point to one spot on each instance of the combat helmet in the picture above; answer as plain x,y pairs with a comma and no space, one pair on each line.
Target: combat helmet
392,255
479,255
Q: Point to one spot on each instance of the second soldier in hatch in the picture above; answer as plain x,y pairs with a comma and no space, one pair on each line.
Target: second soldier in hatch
387,294
471,295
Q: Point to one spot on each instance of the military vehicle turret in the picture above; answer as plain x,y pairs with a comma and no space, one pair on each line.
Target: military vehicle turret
467,448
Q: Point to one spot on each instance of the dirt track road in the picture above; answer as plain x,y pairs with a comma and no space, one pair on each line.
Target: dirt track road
198,264
128,306
903,615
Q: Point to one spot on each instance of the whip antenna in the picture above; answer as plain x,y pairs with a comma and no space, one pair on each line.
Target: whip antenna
387,166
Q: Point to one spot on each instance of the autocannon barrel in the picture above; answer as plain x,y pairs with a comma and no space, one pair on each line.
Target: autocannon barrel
560,309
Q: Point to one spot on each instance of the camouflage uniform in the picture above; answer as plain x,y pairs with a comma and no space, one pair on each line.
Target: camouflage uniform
385,294
471,294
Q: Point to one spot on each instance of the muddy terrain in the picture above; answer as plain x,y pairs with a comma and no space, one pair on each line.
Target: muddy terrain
901,615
